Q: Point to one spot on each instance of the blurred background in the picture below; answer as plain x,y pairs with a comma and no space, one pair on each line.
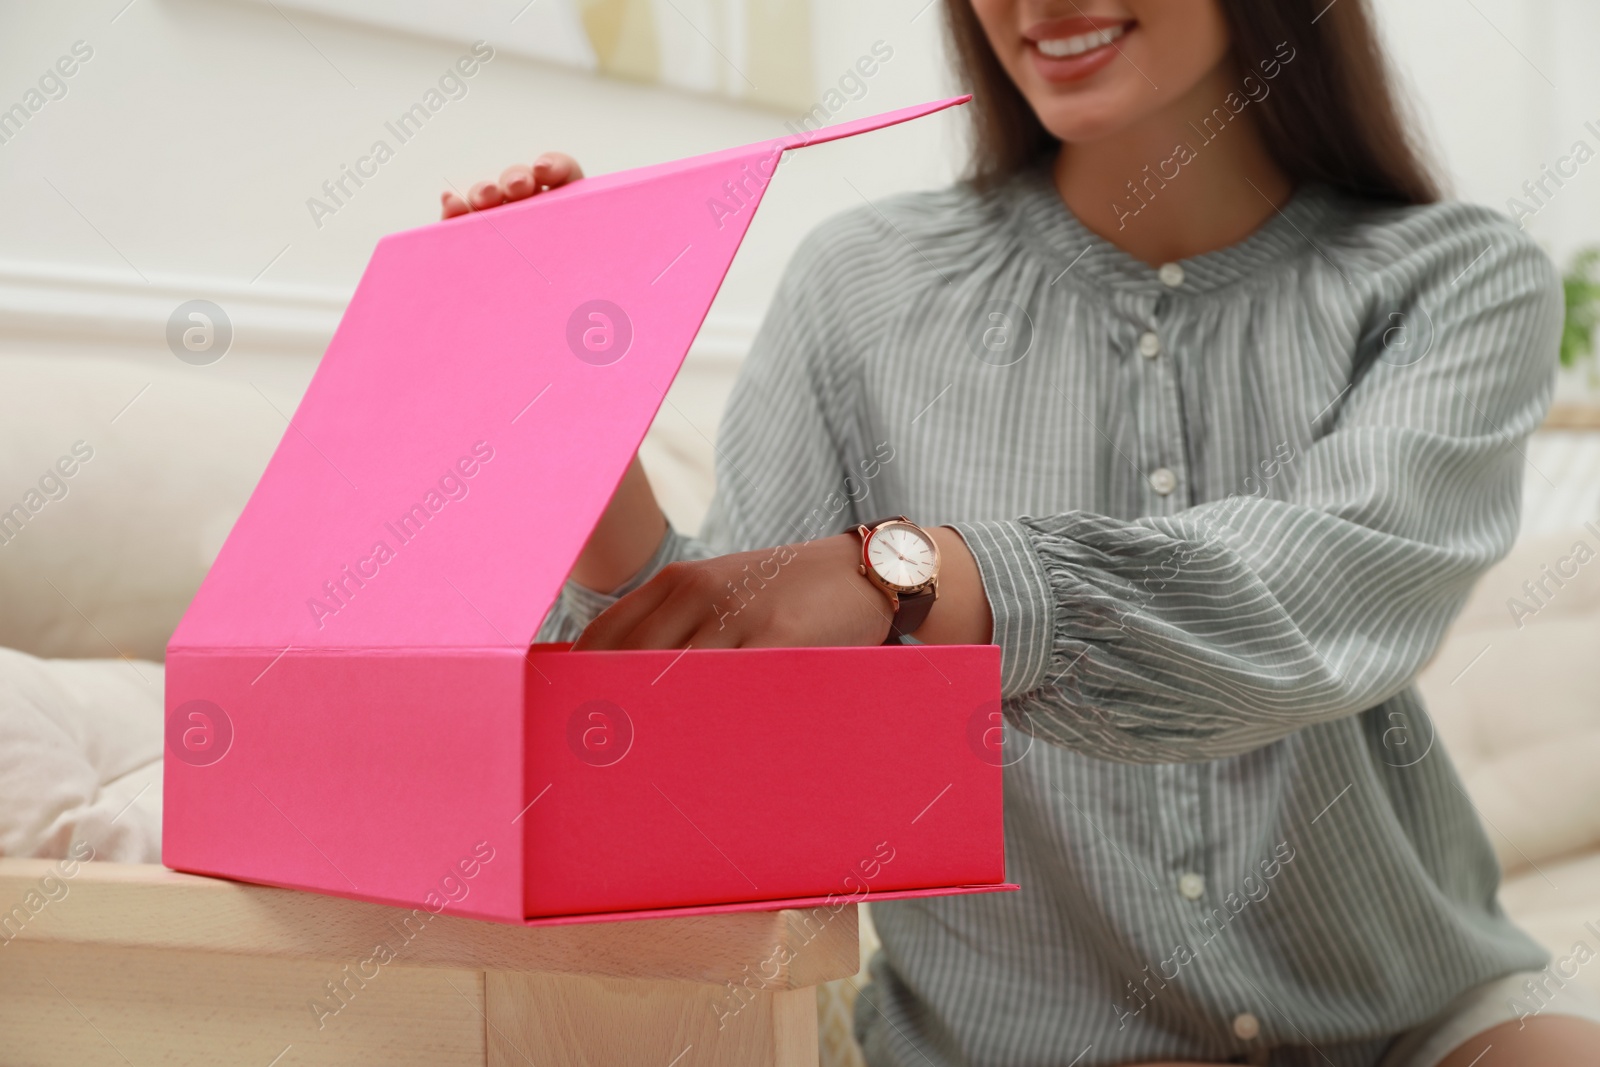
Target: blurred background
155,153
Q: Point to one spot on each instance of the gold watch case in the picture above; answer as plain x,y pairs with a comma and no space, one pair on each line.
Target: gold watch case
871,573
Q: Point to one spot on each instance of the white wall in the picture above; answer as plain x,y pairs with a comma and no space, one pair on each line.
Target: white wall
181,159
1505,87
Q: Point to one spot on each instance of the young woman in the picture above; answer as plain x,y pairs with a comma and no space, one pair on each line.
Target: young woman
1213,413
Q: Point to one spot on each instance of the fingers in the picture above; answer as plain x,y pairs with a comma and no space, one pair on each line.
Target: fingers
555,169
676,608
688,609
517,182
485,195
717,633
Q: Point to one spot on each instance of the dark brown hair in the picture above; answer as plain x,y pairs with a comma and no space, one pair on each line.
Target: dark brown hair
1332,116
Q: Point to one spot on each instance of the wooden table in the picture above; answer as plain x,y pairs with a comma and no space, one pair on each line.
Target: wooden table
137,965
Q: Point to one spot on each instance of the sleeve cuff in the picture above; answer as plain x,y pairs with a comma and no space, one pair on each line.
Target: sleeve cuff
581,604
1020,600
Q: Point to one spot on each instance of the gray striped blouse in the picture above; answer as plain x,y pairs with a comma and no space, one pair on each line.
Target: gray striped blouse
1224,511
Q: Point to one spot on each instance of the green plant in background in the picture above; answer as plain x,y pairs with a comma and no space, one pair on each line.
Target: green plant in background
1581,286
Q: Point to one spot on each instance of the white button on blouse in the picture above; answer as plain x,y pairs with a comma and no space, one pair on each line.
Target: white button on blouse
1192,886
1246,1026
1171,275
1163,481
1149,345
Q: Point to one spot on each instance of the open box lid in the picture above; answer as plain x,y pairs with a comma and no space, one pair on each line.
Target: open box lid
476,408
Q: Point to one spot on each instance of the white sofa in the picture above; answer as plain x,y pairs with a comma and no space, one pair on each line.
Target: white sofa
100,572
1515,692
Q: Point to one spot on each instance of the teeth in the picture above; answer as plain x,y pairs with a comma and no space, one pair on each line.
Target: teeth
1084,42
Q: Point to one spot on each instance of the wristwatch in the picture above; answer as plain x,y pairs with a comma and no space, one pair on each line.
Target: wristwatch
901,559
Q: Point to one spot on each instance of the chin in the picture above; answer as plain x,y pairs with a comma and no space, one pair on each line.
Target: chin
1078,121
1114,99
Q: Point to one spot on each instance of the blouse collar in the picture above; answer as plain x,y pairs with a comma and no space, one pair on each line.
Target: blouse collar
1046,222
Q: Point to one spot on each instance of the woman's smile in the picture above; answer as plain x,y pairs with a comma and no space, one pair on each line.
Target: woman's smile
1066,50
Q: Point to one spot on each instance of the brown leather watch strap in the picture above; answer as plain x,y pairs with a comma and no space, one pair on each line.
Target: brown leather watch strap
912,614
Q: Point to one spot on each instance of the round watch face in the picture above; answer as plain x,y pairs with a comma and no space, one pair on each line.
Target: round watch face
902,555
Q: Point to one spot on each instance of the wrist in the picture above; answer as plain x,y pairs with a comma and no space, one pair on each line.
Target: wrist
961,615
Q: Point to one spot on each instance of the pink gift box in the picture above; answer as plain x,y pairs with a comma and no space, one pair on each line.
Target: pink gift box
353,705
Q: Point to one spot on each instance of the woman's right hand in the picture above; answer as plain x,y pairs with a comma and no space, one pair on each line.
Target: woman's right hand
517,182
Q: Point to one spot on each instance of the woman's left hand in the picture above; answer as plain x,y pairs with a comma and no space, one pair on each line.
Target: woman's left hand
793,596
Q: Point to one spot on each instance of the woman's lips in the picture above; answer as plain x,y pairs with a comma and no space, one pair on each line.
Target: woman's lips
1072,50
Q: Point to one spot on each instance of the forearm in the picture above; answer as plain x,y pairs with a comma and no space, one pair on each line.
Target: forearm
626,537
629,545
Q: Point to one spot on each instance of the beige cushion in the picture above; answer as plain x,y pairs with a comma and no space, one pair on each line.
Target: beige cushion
108,568
1515,692
1516,697
1559,905
80,757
